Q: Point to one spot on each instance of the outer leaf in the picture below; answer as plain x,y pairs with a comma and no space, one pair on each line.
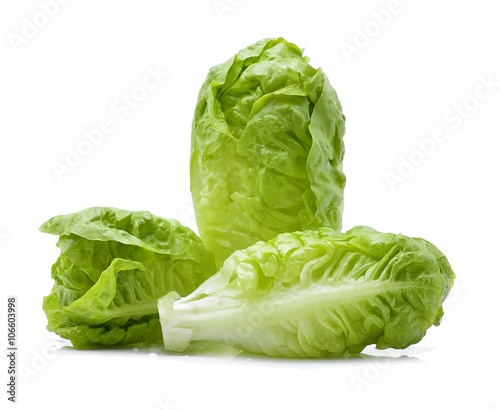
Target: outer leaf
146,331
113,267
314,293
267,149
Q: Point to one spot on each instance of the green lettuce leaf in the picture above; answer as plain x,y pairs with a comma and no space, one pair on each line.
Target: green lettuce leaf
315,293
266,149
113,267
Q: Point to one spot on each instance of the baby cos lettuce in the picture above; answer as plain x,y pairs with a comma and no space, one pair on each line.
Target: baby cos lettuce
113,267
267,149
313,293
266,159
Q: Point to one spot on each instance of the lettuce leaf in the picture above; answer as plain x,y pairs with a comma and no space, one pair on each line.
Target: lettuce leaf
113,267
266,149
315,293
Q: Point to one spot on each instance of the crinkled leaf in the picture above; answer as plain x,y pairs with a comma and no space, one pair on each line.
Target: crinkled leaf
113,267
267,149
313,293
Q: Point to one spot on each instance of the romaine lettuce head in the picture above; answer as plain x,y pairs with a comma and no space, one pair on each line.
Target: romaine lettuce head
266,149
315,293
113,267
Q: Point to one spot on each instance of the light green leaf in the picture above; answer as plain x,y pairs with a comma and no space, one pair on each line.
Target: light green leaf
113,267
315,293
267,149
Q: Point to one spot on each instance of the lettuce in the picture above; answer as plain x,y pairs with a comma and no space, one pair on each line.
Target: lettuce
267,149
315,293
113,267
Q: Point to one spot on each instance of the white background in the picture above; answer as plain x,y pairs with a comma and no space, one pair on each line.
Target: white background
402,82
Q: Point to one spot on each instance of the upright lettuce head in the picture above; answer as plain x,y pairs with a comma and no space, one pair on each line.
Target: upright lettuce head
267,149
